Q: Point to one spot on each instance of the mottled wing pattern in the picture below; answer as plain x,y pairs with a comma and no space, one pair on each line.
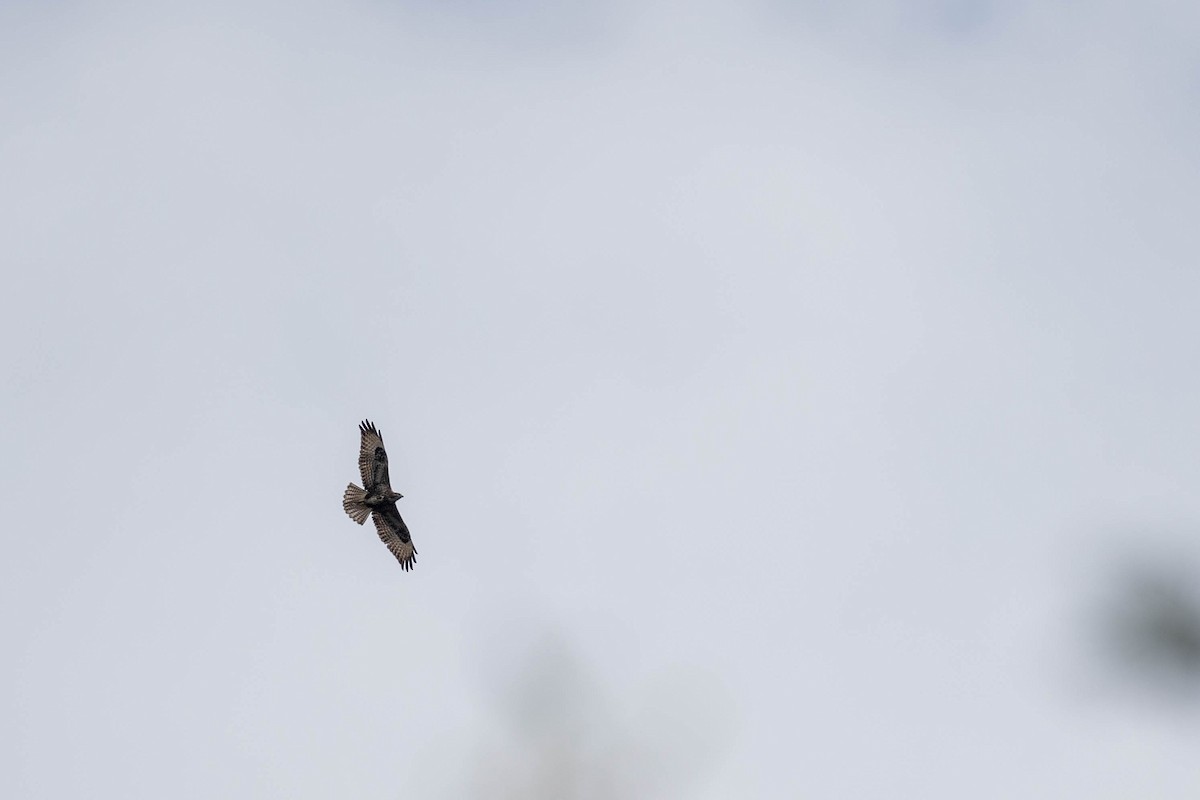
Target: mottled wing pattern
394,533
372,459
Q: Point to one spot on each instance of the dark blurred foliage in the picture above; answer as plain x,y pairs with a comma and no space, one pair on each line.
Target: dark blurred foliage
561,735
1148,623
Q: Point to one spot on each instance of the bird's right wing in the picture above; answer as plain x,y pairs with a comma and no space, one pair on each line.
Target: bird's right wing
394,533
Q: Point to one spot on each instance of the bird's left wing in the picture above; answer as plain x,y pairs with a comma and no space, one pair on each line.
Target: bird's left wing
394,533
372,458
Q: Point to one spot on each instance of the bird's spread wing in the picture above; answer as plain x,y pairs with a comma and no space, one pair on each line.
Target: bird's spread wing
394,533
372,459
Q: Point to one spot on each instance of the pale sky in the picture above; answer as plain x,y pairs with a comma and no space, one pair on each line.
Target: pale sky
765,382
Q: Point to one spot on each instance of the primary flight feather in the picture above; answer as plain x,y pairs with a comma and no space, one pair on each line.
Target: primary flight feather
376,499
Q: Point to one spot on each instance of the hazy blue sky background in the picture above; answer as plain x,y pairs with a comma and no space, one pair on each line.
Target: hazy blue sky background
766,382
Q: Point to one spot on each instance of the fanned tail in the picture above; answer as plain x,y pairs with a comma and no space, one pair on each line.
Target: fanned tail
352,501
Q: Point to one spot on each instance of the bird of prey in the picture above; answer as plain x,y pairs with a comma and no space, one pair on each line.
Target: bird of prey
376,498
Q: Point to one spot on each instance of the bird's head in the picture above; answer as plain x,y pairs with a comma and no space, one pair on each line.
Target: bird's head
395,496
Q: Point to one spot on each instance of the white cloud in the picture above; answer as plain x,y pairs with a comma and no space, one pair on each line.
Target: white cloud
790,344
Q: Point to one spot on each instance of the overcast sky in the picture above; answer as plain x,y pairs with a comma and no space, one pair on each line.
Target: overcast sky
764,381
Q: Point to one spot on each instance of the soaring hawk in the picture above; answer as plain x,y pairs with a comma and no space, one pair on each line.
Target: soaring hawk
377,500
